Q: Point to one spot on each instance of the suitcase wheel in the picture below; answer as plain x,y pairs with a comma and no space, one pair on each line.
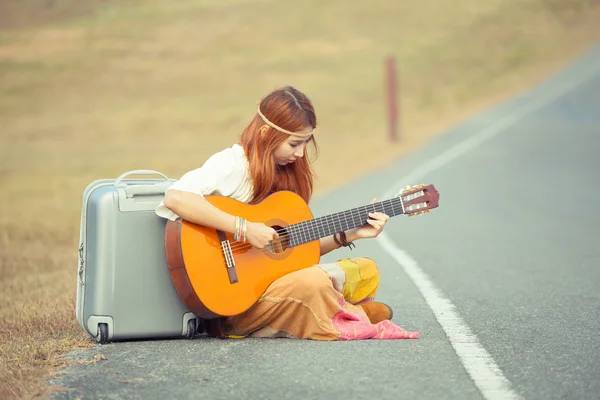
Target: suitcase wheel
191,331
102,336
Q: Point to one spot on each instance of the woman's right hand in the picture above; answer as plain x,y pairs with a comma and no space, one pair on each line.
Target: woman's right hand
259,235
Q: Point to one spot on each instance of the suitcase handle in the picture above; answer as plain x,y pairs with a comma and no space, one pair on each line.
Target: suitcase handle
147,190
118,182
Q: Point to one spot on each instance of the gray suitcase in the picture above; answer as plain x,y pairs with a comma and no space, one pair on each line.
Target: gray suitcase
124,289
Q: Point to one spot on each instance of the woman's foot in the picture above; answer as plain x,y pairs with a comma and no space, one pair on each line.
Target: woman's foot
377,311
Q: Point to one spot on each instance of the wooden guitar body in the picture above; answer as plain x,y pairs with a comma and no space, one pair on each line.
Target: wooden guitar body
198,262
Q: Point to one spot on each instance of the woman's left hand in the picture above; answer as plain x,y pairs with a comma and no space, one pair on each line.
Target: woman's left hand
373,227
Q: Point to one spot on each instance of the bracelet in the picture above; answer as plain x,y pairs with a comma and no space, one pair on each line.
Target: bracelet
237,229
335,239
244,231
344,241
240,230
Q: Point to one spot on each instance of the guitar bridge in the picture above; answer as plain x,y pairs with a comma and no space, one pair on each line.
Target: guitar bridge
228,254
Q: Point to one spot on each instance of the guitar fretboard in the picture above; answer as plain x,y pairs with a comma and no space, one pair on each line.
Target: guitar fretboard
314,229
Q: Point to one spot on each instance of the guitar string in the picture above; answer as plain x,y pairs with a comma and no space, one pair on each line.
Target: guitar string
331,222
307,231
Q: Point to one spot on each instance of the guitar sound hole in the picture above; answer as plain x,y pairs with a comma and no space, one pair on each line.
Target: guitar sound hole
281,244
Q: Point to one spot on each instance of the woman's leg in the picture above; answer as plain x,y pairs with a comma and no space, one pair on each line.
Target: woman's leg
304,304
300,304
358,280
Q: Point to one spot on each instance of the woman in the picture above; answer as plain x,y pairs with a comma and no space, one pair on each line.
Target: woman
324,302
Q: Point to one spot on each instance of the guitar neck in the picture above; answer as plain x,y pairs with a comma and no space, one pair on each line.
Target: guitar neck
315,229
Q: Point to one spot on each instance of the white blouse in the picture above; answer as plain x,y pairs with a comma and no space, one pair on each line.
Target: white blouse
226,173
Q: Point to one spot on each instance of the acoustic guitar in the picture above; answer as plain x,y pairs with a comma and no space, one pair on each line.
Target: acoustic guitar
217,277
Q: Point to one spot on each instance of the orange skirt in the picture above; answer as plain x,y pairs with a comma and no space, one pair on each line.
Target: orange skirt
318,303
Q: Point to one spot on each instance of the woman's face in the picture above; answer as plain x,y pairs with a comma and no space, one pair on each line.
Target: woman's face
292,149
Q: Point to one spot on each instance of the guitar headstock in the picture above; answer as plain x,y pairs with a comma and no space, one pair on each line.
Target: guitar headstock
419,199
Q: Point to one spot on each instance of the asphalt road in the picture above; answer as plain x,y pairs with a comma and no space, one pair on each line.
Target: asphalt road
514,249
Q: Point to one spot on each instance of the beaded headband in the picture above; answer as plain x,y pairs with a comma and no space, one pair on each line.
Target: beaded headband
280,129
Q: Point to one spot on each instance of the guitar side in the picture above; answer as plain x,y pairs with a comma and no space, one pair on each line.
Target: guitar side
198,266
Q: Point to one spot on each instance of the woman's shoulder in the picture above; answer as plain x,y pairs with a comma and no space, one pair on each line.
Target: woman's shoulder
228,162
232,157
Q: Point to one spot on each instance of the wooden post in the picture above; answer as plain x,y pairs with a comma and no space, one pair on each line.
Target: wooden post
391,88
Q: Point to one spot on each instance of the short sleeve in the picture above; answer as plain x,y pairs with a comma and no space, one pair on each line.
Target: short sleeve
221,174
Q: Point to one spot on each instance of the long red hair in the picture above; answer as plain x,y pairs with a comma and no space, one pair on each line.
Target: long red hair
290,109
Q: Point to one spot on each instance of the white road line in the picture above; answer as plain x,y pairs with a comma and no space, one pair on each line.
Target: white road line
478,363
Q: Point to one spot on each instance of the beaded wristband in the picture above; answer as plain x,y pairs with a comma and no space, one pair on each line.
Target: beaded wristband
240,230
244,231
237,229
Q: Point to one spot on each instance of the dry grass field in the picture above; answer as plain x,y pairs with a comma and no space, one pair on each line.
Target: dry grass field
90,89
